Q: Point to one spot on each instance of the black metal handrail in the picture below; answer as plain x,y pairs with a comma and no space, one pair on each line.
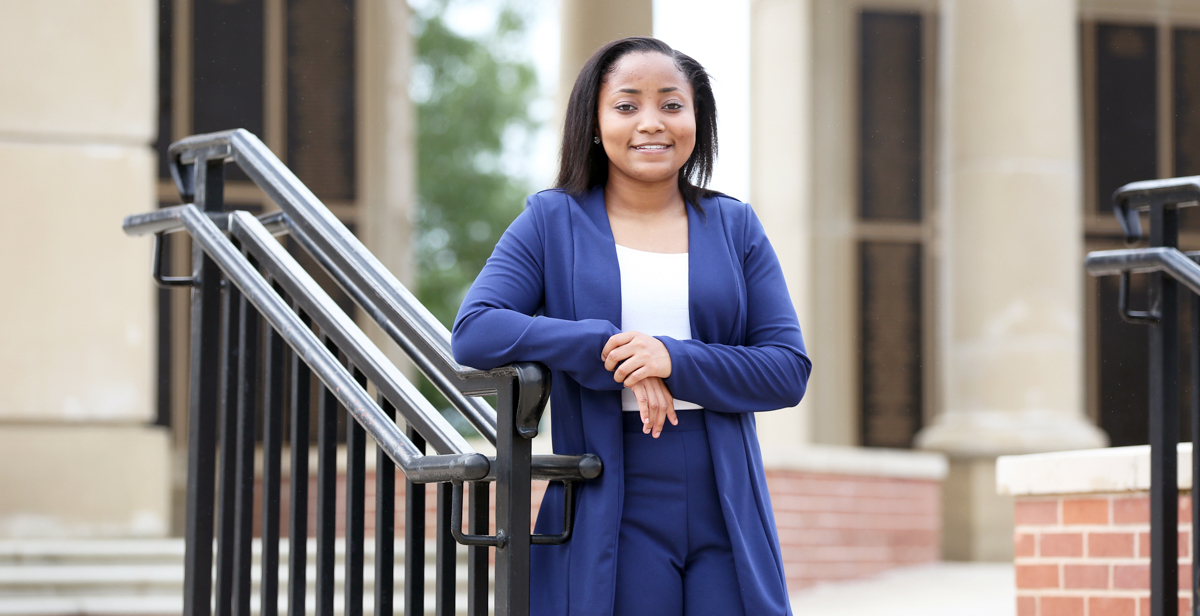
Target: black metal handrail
1168,268
346,337
1134,196
371,285
241,275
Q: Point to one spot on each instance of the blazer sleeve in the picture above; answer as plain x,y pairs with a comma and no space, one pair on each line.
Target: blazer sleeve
770,369
497,322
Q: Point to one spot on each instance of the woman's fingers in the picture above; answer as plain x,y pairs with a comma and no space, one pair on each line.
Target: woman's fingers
653,406
643,402
615,341
613,359
664,404
651,403
631,376
628,351
656,406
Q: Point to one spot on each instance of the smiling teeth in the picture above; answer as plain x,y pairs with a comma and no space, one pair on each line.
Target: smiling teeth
650,147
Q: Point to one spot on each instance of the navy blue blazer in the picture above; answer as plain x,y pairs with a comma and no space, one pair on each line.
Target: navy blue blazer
551,293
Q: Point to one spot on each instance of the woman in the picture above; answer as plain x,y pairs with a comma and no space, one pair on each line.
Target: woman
661,308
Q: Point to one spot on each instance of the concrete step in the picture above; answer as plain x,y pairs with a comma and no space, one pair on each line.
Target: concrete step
161,550
145,577
164,606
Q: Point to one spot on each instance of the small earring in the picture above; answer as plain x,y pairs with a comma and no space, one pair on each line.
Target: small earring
596,140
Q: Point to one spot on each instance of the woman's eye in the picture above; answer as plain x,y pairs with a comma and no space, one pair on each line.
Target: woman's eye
625,107
673,106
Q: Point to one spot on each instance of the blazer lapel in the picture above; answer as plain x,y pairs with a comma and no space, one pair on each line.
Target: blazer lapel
596,276
715,297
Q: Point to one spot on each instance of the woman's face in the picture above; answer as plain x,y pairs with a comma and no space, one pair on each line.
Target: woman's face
647,119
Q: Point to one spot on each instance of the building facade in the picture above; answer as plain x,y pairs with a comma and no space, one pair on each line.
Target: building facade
92,431
932,173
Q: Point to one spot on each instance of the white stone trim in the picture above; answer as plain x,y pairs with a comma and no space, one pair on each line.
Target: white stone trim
1115,469
862,461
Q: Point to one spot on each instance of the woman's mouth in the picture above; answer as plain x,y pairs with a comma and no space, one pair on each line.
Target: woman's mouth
657,147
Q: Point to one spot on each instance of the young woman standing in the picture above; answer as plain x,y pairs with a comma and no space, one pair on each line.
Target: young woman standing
662,311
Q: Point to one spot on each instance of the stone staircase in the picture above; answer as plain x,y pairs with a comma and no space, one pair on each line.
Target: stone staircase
144,577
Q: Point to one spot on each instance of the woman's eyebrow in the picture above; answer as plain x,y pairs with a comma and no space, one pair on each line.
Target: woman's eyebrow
660,90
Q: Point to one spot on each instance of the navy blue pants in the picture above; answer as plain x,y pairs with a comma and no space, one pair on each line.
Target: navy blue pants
673,556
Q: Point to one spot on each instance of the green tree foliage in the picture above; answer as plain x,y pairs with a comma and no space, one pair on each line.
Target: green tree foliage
473,97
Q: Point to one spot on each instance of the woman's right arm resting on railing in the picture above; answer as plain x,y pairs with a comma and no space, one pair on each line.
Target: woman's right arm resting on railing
496,323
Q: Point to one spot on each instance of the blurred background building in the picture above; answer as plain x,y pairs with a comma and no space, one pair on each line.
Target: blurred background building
931,173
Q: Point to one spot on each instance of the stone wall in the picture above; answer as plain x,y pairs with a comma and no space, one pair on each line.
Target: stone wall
77,117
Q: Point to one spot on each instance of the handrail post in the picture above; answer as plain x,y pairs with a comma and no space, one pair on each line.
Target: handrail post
1195,409
1164,421
513,458
202,403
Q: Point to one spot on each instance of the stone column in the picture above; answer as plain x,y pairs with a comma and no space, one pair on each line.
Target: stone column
1010,281
387,150
780,172
78,457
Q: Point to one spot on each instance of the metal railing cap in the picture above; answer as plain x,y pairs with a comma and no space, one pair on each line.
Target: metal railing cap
1135,196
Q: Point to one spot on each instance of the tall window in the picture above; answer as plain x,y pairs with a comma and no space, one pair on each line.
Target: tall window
1141,94
284,70
892,222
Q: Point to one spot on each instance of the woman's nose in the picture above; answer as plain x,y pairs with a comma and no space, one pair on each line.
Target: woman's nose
650,123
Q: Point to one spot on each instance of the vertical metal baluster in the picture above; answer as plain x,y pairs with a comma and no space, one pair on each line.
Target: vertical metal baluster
203,404
1164,424
385,523
513,457
272,435
327,414
228,488
1195,581
477,555
298,483
248,340
414,537
356,457
444,581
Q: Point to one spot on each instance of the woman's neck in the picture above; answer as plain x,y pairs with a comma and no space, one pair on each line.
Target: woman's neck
633,198
647,216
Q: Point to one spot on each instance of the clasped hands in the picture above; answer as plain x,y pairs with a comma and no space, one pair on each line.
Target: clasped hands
641,362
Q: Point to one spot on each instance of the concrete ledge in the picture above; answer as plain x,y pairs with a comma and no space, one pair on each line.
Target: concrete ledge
91,481
1115,469
862,461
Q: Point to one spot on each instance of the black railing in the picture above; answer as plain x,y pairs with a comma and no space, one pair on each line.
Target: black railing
261,328
1167,268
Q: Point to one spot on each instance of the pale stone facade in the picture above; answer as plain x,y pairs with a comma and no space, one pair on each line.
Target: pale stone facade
77,120
79,454
1010,186
79,457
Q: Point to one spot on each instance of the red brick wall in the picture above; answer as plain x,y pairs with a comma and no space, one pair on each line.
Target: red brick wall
840,527
831,527
1090,555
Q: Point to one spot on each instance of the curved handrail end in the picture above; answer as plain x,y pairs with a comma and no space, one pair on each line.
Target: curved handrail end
590,466
454,468
533,391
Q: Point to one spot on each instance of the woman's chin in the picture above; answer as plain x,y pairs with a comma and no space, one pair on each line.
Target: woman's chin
646,176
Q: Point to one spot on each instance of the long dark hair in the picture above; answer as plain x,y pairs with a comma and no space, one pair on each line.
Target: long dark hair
583,164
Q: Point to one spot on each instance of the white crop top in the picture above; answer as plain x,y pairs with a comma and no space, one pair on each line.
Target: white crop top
654,300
